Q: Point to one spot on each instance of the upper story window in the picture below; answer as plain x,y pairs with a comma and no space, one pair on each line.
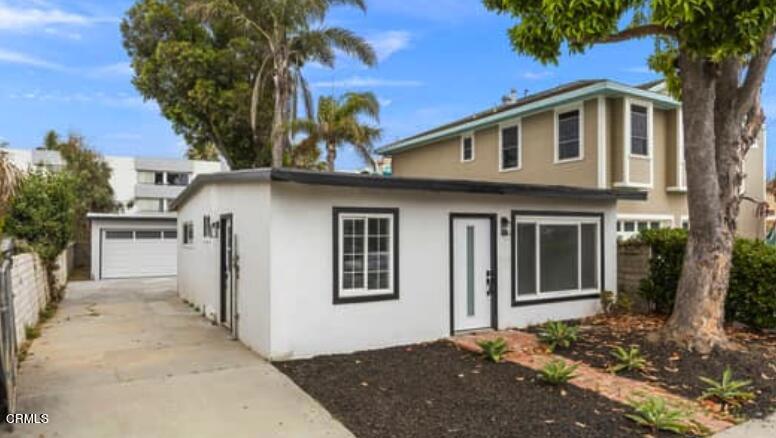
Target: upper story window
639,130
163,178
366,254
510,147
467,148
569,135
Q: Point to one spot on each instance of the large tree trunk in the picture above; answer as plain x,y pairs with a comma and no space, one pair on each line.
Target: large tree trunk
331,156
698,316
280,118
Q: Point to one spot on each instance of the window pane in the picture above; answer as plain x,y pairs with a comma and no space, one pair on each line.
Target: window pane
526,259
148,234
177,179
589,256
639,130
654,225
629,227
467,148
145,177
171,234
118,235
159,178
568,135
643,226
559,257
509,151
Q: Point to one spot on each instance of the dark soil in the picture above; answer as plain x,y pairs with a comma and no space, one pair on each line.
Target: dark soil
435,390
676,369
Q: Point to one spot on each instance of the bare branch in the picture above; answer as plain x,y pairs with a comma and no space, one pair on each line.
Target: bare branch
755,74
638,32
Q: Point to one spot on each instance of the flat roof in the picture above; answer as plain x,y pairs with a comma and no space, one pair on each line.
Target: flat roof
528,105
132,216
402,183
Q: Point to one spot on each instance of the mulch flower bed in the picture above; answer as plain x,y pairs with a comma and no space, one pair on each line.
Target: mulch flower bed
676,369
437,390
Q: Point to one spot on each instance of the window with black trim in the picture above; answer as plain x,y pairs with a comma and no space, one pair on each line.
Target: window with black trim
188,233
639,127
206,229
556,257
569,135
467,148
510,147
366,254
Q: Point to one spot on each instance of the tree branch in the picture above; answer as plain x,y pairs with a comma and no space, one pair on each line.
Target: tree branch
755,75
638,32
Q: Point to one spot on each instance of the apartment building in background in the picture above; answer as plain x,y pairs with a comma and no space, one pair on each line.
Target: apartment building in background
140,185
591,134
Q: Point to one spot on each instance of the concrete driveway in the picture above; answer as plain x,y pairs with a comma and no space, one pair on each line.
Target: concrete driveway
128,359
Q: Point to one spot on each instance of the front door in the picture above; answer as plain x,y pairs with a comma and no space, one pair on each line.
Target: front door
473,273
227,271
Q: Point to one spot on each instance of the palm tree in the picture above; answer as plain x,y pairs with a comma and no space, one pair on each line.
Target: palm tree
9,180
287,28
337,122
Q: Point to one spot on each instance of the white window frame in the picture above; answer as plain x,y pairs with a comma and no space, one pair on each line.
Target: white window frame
650,128
344,295
463,140
580,106
665,220
501,127
538,221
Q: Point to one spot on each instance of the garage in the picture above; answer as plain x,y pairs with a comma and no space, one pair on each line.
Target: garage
133,246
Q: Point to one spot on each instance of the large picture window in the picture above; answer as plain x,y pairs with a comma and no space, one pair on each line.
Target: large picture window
556,257
365,254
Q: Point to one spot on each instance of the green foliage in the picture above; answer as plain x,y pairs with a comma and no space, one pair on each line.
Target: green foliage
751,298
728,391
48,312
494,350
557,372
630,359
91,179
42,213
654,413
558,334
338,122
201,76
31,332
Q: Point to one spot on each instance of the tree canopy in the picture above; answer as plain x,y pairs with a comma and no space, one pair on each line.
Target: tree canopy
201,75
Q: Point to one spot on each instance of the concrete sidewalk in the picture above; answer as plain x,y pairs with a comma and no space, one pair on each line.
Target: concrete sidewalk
752,429
128,359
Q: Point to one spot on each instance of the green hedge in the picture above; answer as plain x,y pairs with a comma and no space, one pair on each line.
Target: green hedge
752,294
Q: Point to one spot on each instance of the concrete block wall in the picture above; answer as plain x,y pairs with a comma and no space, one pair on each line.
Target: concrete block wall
30,290
632,267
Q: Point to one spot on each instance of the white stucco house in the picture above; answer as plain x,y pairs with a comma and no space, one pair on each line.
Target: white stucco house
297,263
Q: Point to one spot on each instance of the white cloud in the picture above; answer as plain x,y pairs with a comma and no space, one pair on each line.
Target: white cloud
535,76
22,19
11,57
384,102
118,100
364,82
388,43
117,69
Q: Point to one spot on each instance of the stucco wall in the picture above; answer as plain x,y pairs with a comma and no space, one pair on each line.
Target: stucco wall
305,322
443,158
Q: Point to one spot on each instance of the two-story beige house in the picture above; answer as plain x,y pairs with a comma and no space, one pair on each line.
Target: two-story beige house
590,133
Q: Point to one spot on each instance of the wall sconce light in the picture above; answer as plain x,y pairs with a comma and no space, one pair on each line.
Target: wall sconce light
504,226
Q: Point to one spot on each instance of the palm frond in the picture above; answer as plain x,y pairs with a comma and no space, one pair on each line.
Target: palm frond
361,104
351,44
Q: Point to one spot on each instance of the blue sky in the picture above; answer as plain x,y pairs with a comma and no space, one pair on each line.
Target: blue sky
62,66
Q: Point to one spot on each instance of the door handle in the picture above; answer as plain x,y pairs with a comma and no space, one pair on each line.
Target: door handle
488,278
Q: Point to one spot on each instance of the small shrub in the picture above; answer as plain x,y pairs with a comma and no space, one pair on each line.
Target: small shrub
31,332
557,371
494,350
48,312
630,359
608,300
558,334
654,413
728,391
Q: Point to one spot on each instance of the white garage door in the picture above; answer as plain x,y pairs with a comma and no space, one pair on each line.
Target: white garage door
139,253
